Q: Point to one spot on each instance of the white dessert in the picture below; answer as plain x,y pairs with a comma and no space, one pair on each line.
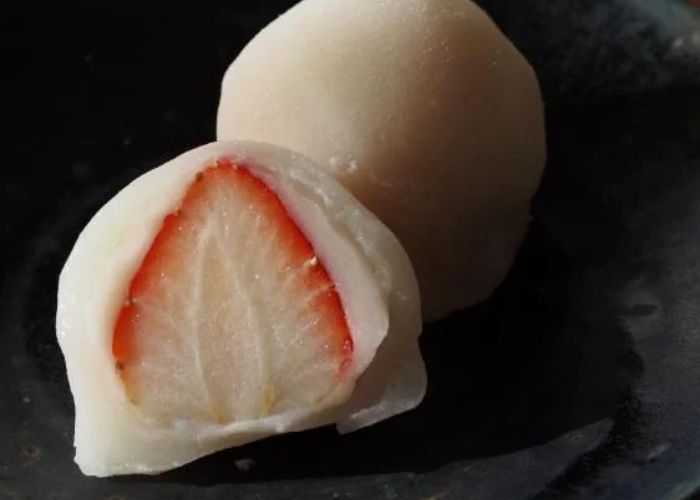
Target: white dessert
217,355
423,109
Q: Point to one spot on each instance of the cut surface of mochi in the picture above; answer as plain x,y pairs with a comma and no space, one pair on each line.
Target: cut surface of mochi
234,293
423,109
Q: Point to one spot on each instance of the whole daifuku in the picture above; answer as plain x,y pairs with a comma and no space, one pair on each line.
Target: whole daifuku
423,109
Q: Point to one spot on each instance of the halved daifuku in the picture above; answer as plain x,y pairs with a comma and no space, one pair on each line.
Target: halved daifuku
235,292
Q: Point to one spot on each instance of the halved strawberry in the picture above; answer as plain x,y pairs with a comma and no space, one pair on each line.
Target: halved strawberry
231,316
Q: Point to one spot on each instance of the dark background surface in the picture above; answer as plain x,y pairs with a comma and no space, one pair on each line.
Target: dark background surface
580,378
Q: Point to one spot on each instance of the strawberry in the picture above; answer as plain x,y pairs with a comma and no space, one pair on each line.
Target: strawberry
231,315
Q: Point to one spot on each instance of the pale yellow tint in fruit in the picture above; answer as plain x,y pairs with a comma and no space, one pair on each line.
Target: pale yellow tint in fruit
423,109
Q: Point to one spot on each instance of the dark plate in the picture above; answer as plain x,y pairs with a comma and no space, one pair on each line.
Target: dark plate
580,378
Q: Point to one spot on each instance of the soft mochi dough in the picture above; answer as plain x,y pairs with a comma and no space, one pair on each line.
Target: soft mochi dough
423,109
